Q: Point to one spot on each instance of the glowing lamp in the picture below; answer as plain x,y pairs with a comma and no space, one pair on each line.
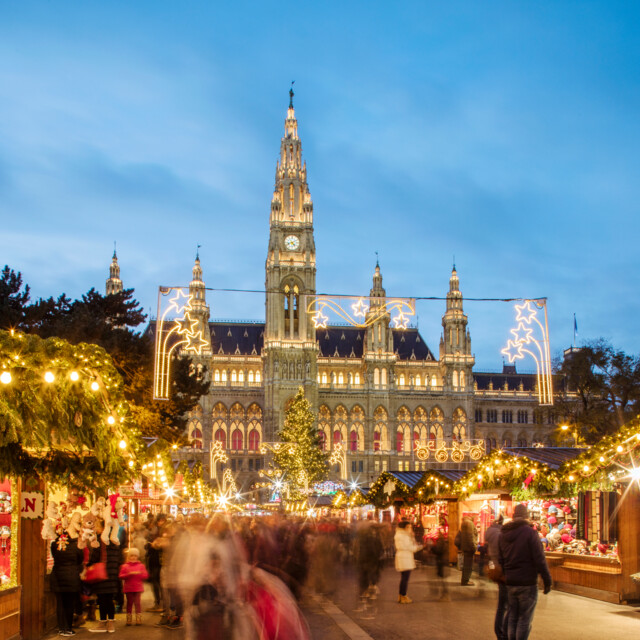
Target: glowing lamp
74,376
619,448
564,427
94,386
49,377
635,473
122,444
5,377
131,463
586,467
601,458
111,420
570,478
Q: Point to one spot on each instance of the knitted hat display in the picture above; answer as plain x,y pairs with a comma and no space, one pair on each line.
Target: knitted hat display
551,519
566,538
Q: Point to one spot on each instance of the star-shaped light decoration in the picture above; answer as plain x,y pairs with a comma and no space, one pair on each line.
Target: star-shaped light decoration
513,351
360,308
320,320
187,325
525,313
400,321
195,342
522,334
181,302
389,487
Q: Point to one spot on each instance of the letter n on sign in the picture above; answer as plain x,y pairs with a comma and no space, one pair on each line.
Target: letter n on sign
31,504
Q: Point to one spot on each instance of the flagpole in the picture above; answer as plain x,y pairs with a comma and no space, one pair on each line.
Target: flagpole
574,330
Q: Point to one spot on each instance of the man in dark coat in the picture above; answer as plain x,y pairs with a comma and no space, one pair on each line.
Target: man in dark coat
468,546
522,560
65,579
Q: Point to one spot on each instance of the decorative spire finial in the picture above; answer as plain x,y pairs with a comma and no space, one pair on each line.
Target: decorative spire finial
291,94
198,251
454,261
377,260
114,249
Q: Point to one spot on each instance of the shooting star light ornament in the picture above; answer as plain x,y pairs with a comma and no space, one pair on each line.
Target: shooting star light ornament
530,337
176,328
361,313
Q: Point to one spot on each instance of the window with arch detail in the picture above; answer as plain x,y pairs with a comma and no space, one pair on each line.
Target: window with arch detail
381,419
291,309
357,427
403,434
420,424
340,424
436,422
460,424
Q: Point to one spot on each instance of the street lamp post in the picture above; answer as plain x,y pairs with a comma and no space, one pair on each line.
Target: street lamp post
574,433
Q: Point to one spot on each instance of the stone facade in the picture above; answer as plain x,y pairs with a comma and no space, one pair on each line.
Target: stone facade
377,390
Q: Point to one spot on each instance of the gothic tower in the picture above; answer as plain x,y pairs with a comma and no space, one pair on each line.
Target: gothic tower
456,359
290,350
114,284
199,307
378,351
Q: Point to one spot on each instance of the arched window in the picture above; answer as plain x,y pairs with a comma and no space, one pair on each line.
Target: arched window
234,376
418,381
383,377
291,309
254,440
454,379
404,426
376,440
462,380
250,375
216,376
376,377
322,440
340,423
224,375
353,441
241,376
221,437
420,420
460,424
380,418
258,376
340,378
236,440
324,377
356,379
401,379
337,437
357,425
434,381
399,440
436,422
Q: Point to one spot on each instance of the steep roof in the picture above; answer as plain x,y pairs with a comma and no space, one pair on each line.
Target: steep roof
237,338
553,457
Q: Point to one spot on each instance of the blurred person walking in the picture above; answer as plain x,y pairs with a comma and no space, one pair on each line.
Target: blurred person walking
468,545
522,560
492,537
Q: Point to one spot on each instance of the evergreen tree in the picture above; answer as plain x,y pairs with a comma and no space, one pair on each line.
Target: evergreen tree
12,301
304,458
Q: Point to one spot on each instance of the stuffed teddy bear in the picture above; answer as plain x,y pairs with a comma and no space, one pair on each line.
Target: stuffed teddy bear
75,527
97,508
111,524
89,535
50,522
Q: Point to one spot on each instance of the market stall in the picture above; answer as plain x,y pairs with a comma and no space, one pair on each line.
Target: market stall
10,590
579,515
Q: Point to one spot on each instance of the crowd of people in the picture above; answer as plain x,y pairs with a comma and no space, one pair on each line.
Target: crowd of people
241,577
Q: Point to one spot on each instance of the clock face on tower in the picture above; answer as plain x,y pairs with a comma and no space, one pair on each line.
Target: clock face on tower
291,243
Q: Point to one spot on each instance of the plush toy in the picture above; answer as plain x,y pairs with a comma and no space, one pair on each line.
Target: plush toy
89,535
97,508
74,528
111,524
64,515
50,522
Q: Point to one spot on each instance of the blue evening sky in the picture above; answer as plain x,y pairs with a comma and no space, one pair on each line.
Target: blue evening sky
504,133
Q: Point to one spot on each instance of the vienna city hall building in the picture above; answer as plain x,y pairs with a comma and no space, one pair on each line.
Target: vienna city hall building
378,390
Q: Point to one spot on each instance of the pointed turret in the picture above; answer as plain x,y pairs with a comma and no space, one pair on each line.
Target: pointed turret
199,308
379,339
114,284
291,200
456,358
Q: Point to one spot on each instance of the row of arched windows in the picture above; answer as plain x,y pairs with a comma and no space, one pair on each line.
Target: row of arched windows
235,429
236,376
347,428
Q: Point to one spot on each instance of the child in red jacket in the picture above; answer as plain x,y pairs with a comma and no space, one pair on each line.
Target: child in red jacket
133,573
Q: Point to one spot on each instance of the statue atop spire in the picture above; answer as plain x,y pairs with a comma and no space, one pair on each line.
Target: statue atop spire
291,94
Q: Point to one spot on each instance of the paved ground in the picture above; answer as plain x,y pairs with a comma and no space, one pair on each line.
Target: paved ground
467,614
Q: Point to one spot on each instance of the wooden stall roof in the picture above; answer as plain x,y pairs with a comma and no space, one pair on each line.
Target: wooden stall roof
553,457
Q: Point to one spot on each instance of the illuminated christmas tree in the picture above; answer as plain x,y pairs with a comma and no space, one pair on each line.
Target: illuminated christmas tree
300,457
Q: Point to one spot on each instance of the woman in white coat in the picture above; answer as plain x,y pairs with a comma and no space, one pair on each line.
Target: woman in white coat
406,546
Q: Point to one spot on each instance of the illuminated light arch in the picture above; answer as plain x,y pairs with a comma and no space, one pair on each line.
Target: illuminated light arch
175,328
524,342
360,313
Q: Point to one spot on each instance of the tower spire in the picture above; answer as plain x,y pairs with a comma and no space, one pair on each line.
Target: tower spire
114,284
291,94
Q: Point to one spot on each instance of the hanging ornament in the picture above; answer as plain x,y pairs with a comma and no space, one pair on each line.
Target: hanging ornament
77,419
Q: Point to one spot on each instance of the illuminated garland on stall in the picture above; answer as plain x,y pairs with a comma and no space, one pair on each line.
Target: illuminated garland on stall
432,485
518,476
613,460
63,414
387,489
